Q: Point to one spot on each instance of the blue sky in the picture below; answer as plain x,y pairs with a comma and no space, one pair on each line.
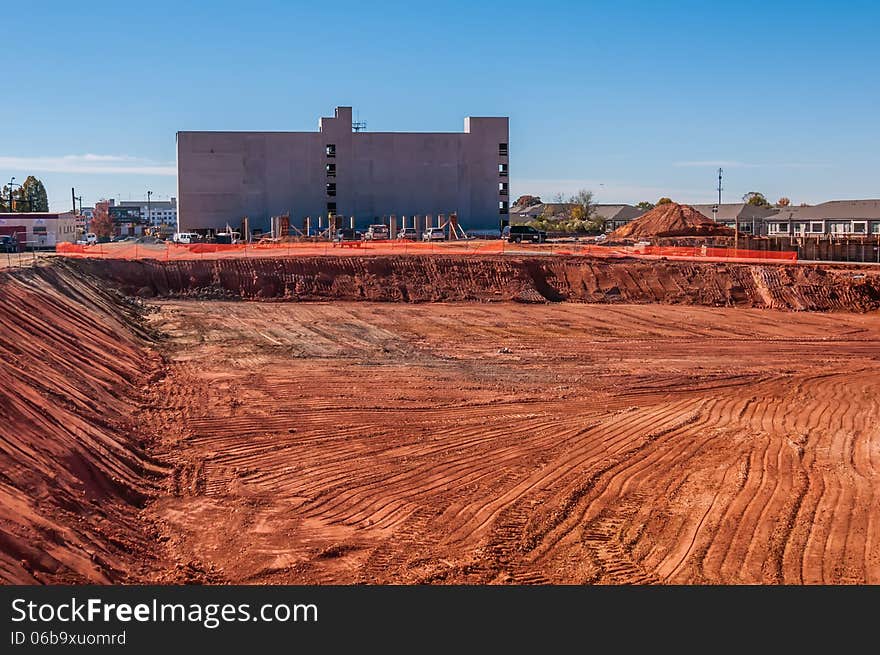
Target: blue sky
630,99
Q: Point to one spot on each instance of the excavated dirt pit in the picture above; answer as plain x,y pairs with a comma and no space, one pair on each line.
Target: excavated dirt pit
213,440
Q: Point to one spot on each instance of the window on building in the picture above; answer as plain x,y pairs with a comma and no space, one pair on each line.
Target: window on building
502,188
331,188
860,227
331,207
330,149
331,170
502,170
39,229
816,228
502,150
503,207
875,227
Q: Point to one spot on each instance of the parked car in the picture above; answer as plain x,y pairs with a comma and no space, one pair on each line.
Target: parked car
520,233
408,234
227,237
434,234
88,239
185,237
377,233
8,243
347,234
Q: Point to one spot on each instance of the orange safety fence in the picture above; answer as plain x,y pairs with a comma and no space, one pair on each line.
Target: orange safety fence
171,251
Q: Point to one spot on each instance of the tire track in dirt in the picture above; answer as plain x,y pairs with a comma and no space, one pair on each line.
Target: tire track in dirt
610,445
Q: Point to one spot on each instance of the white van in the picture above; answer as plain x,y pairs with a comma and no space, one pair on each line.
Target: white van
185,237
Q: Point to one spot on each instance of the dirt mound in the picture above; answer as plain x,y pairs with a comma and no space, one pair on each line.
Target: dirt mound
74,473
670,220
487,279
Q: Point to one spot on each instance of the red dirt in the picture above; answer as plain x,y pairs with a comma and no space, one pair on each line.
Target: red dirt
433,443
670,220
473,443
74,471
525,279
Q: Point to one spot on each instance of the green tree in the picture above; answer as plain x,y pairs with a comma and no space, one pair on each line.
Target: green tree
4,198
756,198
644,205
584,198
664,201
33,196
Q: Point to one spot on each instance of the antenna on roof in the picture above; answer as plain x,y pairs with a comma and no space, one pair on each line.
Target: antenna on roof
359,125
720,172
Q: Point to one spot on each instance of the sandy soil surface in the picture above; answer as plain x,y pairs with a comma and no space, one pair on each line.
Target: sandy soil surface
509,443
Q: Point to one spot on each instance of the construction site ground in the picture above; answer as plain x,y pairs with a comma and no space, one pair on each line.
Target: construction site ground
209,439
353,442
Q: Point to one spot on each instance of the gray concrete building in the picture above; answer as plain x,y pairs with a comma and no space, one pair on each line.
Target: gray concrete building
225,176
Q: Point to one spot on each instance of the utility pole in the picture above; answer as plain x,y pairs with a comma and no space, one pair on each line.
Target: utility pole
11,186
149,211
73,197
720,172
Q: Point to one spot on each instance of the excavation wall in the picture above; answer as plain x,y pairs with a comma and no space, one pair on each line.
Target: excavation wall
527,279
73,474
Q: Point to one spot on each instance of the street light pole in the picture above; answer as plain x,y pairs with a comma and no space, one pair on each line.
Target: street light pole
149,209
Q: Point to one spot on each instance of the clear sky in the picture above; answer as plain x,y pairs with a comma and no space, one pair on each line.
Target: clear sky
633,100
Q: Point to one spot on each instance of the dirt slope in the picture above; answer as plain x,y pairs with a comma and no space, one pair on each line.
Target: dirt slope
529,279
670,220
73,473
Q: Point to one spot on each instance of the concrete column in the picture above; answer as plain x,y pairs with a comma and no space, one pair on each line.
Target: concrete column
351,221
428,220
392,225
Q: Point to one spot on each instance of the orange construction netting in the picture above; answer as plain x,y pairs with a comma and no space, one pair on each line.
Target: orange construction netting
170,251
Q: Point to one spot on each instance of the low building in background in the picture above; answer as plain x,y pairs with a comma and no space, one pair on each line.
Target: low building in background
39,229
156,213
617,215
836,217
614,215
127,221
749,218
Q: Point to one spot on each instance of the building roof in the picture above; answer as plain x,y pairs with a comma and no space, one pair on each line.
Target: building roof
834,210
155,204
618,212
609,212
30,216
730,211
537,210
